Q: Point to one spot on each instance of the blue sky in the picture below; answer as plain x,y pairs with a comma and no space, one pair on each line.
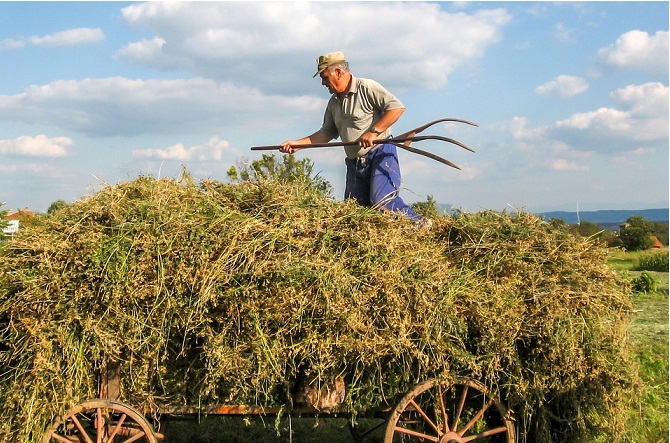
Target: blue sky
571,98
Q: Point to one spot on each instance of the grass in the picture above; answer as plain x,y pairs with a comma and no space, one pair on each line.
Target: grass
649,331
649,423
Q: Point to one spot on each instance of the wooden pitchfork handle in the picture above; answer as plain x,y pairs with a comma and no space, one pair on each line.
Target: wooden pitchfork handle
394,140
403,141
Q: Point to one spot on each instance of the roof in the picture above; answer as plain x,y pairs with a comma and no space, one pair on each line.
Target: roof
16,215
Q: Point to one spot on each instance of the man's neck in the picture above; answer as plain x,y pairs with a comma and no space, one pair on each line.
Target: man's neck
344,93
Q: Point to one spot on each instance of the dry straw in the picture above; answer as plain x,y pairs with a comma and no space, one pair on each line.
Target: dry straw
211,293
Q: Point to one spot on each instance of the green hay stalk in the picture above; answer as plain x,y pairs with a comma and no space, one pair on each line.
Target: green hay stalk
211,293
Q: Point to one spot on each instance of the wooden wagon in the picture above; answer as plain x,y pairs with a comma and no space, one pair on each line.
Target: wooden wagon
444,410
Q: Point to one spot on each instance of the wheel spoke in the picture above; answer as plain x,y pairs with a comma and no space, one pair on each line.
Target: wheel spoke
99,424
118,426
477,416
134,437
81,429
60,438
445,415
485,434
417,434
425,416
457,416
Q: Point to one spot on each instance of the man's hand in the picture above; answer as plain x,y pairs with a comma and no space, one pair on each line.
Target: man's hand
367,139
293,146
386,121
288,148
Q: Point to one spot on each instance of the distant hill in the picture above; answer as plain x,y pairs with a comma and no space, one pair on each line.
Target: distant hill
607,217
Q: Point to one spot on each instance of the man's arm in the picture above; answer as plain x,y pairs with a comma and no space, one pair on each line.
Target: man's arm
292,146
386,121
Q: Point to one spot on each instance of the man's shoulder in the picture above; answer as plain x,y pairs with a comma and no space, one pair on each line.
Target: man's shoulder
368,84
365,82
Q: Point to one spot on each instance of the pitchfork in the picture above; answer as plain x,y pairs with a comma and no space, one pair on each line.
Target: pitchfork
402,141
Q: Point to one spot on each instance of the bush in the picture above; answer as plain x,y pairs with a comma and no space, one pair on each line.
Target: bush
657,261
645,283
636,234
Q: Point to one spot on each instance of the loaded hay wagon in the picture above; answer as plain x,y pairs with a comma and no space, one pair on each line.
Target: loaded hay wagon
162,297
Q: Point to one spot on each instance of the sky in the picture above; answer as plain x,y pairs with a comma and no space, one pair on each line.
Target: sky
570,98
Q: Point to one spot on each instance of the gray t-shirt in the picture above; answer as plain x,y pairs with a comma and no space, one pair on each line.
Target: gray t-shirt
364,104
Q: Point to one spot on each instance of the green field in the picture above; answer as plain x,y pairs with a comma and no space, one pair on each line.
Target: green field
649,331
647,422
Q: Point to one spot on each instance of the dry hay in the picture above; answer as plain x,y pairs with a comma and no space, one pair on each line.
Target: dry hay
211,293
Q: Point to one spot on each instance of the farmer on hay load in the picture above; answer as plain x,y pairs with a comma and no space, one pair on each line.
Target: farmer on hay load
360,110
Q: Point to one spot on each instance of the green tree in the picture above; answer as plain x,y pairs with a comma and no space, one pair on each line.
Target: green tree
55,206
588,229
3,222
289,169
636,234
660,231
428,208
558,223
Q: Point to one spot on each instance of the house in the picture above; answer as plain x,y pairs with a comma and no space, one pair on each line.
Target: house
13,220
11,228
657,243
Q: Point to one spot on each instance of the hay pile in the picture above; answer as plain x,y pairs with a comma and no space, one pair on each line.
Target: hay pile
211,293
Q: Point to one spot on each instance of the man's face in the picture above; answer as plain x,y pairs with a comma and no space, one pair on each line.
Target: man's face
333,80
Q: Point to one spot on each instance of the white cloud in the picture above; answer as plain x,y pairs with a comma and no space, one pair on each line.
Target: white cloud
38,146
562,33
649,99
607,119
638,50
70,37
518,128
246,42
636,123
10,43
640,120
562,164
243,67
121,106
144,49
563,86
213,150
32,170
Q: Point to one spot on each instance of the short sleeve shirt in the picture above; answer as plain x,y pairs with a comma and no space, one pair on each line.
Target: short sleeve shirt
364,104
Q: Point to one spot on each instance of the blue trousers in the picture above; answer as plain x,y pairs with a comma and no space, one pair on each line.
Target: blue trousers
374,181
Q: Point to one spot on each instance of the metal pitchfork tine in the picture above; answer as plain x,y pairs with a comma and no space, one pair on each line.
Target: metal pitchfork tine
406,147
413,132
403,141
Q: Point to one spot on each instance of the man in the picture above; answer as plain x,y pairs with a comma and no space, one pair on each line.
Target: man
360,110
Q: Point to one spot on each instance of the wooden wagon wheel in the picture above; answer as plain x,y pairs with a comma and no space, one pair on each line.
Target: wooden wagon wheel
101,421
455,411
